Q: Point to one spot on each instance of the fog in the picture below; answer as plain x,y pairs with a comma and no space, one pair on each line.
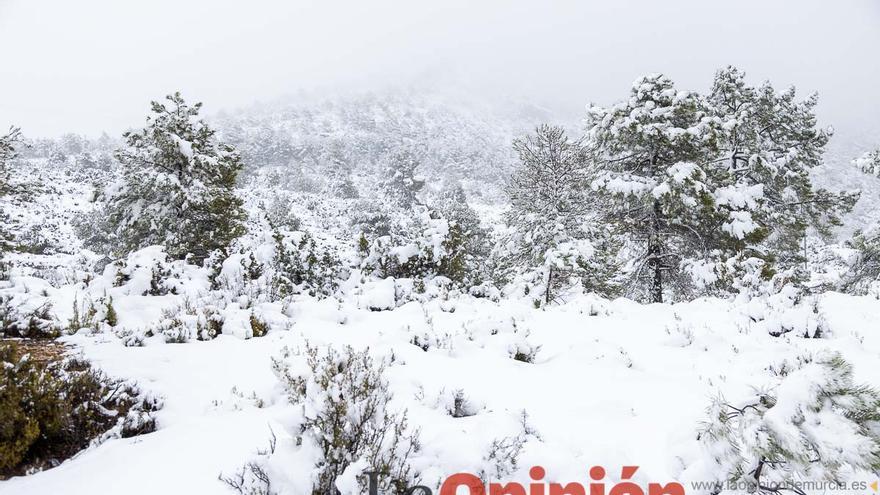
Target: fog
92,66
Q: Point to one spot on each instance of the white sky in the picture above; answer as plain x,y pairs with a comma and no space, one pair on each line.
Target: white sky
91,65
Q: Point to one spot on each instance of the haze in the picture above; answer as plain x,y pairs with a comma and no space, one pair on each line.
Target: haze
92,66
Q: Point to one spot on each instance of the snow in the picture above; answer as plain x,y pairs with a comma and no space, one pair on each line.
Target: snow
627,386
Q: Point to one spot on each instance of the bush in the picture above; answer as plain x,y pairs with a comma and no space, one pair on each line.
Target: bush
301,266
199,320
425,246
259,327
37,323
50,411
345,402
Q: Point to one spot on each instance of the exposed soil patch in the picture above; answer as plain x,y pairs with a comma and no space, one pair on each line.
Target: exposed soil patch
41,351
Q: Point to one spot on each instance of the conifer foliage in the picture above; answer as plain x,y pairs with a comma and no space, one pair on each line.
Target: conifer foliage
869,162
549,208
866,242
767,144
647,151
177,187
815,423
703,190
8,152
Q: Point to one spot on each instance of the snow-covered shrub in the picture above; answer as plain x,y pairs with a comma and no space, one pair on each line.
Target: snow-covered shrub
259,327
93,228
869,162
132,337
501,459
402,184
253,478
27,318
301,265
372,219
789,311
50,411
189,320
345,403
458,405
814,423
524,352
146,272
279,212
423,246
93,314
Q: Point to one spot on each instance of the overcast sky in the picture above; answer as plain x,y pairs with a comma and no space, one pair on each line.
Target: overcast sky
90,65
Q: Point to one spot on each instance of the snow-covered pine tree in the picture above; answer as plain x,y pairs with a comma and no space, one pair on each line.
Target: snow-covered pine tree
338,166
403,185
866,241
645,154
814,424
549,208
467,241
768,142
869,162
177,187
8,143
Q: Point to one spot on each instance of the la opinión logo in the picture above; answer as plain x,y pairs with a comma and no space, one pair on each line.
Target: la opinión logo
538,486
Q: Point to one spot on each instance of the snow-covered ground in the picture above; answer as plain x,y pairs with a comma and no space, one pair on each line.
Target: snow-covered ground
611,383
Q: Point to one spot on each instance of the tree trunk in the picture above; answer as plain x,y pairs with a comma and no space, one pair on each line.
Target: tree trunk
654,256
547,288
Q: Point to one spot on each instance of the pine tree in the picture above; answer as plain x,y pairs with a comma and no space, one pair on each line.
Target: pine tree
549,207
869,162
403,184
813,424
866,241
646,153
467,241
8,152
339,168
178,184
768,142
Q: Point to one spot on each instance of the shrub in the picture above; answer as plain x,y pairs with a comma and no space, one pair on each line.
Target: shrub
422,247
345,402
50,411
259,327
37,323
302,266
190,320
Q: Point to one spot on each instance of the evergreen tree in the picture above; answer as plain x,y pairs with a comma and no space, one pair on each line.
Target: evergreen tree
814,424
768,142
866,241
177,188
467,241
869,162
645,152
8,152
403,184
549,207
339,169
